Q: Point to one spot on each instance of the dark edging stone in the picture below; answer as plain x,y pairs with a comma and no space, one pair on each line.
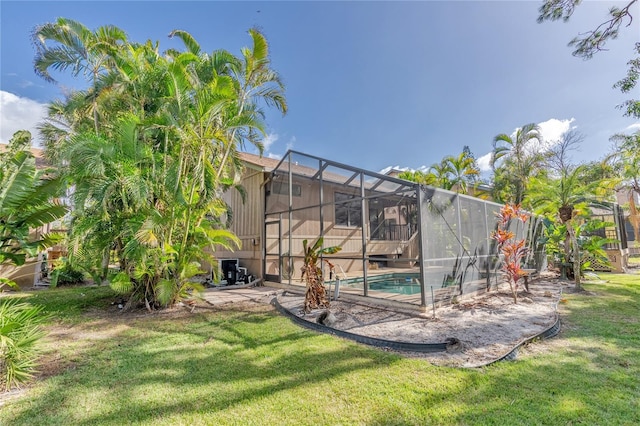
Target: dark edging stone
407,346
512,355
371,341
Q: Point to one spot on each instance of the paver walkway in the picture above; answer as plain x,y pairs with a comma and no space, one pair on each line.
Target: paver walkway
216,296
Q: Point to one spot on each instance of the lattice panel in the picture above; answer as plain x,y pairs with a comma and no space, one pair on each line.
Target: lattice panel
596,265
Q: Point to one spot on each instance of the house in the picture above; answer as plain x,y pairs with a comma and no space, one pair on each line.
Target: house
400,241
31,272
631,198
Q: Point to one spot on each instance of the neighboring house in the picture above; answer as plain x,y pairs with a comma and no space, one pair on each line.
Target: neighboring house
617,251
631,199
31,273
400,241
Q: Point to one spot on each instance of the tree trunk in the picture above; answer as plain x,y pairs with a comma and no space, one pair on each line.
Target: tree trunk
576,254
316,294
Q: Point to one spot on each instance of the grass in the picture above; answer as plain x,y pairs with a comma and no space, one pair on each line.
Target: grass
255,368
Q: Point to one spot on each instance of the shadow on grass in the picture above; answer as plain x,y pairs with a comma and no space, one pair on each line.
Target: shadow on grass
242,367
196,365
590,375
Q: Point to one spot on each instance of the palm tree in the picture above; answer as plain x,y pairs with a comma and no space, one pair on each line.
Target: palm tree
255,82
441,174
563,197
149,178
564,192
86,52
519,160
27,202
462,171
419,176
315,295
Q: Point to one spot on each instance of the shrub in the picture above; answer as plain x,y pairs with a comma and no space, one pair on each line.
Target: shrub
64,274
20,333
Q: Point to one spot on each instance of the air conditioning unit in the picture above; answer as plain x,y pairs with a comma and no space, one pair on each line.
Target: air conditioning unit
229,270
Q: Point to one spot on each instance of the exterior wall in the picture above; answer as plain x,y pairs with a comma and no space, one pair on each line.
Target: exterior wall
247,222
29,274
618,259
24,275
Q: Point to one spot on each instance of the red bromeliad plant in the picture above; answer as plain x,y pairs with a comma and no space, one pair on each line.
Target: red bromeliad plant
512,250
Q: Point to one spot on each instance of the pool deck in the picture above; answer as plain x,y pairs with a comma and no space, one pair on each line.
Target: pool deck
397,300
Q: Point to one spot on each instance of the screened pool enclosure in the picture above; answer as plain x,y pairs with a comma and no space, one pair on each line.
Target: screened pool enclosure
400,241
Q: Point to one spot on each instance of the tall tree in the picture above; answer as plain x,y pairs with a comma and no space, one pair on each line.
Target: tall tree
559,193
149,178
451,173
462,171
514,160
589,43
625,158
256,82
86,52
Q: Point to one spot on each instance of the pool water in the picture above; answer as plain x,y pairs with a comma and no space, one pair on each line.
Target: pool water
396,285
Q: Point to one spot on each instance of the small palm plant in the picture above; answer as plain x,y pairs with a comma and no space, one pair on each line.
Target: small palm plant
513,250
316,294
20,333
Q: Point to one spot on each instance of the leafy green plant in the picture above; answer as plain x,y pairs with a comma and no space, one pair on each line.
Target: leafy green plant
6,282
19,335
65,274
316,294
150,150
26,202
594,244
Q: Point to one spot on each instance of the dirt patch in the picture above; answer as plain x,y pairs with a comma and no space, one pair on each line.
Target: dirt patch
484,328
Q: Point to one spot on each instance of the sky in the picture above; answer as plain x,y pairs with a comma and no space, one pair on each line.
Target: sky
370,84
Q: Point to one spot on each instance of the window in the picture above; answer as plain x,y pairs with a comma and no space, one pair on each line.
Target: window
348,210
282,188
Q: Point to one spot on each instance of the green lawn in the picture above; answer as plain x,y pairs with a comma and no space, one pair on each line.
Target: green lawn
256,368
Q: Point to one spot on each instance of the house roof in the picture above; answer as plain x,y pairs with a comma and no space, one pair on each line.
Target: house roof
38,154
266,163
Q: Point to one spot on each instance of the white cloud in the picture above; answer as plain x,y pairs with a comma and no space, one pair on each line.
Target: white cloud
484,162
269,140
274,156
389,168
632,128
553,129
551,132
18,113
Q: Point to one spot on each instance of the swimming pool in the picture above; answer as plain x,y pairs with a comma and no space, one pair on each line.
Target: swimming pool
389,283
396,285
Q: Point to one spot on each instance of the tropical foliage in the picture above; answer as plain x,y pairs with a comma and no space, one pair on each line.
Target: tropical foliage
457,173
514,160
625,158
27,202
511,249
588,43
19,335
316,294
564,193
149,148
